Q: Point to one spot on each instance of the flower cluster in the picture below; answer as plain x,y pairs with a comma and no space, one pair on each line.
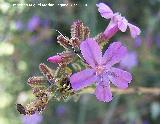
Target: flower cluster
83,53
99,69
79,32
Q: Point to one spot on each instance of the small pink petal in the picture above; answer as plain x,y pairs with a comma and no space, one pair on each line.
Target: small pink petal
103,93
105,10
134,30
55,59
83,79
114,54
122,24
91,52
120,78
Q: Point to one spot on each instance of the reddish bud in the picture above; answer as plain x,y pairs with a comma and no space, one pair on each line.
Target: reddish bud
55,59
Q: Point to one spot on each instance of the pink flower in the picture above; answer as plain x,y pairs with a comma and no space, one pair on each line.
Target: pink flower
117,22
101,71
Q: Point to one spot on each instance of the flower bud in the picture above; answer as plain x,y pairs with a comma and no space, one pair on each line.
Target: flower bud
55,59
63,58
63,41
79,30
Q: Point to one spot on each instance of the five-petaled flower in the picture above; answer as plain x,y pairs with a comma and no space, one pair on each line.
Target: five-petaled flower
117,22
101,71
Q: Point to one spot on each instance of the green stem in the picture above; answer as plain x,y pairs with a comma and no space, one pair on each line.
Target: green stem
110,112
82,111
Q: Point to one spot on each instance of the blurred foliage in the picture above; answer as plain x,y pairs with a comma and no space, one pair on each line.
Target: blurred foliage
22,50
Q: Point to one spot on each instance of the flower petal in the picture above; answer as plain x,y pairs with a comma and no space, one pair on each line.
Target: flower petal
114,53
103,93
120,78
91,52
105,10
111,30
83,79
122,24
134,30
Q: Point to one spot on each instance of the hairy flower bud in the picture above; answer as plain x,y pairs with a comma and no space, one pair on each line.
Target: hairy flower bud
75,44
86,33
63,41
55,59
63,58
47,72
67,57
79,31
37,81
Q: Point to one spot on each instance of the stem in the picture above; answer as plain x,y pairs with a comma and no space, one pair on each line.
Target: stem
109,114
82,110
137,90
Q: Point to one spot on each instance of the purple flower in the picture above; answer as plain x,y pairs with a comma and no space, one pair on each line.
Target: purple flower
130,60
33,23
101,70
32,119
117,22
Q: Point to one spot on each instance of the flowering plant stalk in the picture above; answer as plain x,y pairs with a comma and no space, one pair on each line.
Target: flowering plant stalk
81,66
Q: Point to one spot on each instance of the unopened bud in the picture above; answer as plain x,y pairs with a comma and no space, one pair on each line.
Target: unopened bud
79,30
37,81
63,41
75,44
67,57
86,33
62,58
55,59
47,72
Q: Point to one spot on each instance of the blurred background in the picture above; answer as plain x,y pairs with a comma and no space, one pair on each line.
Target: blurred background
28,38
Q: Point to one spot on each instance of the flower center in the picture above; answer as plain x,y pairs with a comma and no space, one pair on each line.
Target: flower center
99,70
